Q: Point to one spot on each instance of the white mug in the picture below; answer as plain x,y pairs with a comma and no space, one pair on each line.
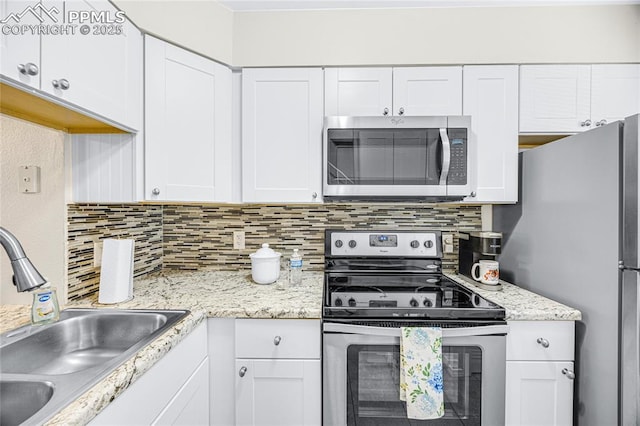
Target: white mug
489,272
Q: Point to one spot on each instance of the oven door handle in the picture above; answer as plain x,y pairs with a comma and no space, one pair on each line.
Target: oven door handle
366,330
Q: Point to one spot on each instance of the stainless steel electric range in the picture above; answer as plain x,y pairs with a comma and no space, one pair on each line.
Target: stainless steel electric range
379,281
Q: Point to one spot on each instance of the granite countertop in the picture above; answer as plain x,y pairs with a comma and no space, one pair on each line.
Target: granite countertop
209,293
523,305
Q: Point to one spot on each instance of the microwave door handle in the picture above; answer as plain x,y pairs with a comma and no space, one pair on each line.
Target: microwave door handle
446,156
366,330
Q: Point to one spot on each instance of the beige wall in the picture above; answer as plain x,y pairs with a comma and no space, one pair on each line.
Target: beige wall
478,35
438,36
37,220
203,26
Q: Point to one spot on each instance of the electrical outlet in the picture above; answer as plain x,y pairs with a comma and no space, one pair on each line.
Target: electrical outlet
97,254
447,242
238,240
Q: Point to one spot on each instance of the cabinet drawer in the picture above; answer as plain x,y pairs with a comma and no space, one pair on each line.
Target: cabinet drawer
541,340
278,338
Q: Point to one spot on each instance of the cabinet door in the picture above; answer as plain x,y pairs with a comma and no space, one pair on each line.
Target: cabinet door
427,91
188,125
358,91
103,68
281,135
615,92
278,392
491,99
190,406
21,50
539,393
555,98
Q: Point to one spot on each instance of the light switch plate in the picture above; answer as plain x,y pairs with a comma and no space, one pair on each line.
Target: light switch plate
29,179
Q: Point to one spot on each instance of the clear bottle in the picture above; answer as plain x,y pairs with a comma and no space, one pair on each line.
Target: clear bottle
295,267
45,309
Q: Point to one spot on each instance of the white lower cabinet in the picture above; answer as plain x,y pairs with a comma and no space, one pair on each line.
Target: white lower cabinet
278,392
277,372
540,373
174,391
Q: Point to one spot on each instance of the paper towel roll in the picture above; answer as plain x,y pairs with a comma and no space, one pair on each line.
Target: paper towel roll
116,273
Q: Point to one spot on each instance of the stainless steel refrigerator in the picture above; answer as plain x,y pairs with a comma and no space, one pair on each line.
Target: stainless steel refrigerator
573,237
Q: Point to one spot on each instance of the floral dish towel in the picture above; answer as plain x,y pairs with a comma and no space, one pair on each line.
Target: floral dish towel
421,382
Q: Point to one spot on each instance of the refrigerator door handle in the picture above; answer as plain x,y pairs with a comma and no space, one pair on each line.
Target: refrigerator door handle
622,267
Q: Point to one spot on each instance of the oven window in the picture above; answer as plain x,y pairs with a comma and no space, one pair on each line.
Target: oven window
373,396
383,157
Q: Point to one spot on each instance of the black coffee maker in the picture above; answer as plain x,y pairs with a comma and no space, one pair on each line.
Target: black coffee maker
475,246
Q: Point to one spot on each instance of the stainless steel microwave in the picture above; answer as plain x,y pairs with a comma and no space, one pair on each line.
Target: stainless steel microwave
398,158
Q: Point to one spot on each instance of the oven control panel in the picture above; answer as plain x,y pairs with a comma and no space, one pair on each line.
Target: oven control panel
384,243
384,300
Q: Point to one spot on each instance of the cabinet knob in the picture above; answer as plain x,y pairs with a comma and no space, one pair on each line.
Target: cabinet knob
601,122
242,371
62,84
585,123
386,111
28,69
314,195
277,340
570,374
156,191
543,342
473,194
401,111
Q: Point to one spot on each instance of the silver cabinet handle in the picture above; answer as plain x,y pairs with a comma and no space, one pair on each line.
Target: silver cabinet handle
242,371
543,342
473,194
386,111
446,156
63,84
570,374
156,191
585,123
601,122
28,69
401,111
314,195
277,340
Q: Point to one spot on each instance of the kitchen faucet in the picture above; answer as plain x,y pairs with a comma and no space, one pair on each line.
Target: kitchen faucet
25,276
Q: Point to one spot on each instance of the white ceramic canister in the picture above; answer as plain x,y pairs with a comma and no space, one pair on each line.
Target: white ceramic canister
265,265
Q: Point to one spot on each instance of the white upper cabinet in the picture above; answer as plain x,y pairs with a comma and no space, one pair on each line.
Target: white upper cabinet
615,92
187,125
20,52
358,91
98,72
282,135
491,99
393,91
427,91
574,98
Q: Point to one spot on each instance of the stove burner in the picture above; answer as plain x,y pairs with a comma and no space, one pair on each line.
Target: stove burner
378,282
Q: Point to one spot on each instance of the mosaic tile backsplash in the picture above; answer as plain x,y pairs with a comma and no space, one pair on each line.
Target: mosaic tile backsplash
191,237
89,223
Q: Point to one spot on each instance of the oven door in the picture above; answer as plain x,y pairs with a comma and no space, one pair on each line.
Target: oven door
361,376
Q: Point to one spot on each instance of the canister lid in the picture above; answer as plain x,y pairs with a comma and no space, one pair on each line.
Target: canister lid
264,253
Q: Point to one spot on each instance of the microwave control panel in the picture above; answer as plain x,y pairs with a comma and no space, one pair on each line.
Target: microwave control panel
458,164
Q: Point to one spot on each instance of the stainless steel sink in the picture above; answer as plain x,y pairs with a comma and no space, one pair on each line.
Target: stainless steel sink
20,400
44,368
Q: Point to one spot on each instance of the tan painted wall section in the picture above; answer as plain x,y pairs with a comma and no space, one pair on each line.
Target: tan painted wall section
37,220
